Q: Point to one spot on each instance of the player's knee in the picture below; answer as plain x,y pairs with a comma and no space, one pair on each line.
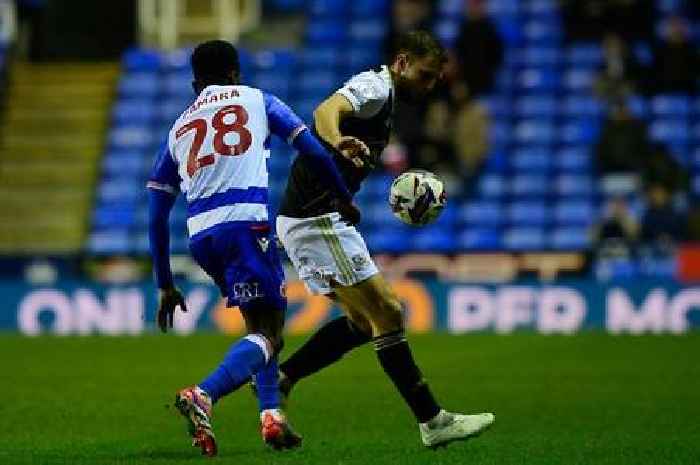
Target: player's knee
389,316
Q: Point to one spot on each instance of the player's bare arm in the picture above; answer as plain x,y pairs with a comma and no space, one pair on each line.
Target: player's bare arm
327,118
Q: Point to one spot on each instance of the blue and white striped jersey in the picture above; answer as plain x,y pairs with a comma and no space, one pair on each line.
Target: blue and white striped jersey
216,155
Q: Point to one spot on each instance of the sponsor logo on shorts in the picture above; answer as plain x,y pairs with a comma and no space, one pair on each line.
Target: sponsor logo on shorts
308,269
245,292
360,262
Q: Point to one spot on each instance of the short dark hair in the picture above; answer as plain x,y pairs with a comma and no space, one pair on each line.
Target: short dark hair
214,62
420,44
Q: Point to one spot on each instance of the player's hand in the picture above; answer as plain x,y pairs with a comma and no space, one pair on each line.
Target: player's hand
353,149
168,299
348,211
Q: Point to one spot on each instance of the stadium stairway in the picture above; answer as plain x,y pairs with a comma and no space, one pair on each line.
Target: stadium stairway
50,144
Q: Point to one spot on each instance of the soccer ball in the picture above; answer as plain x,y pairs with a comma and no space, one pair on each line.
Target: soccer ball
417,197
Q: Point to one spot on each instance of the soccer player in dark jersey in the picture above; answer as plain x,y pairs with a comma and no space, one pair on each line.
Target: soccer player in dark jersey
330,255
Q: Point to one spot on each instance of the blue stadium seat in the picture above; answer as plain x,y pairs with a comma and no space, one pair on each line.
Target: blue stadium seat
579,80
435,239
671,106
120,164
370,8
696,185
482,213
585,55
570,238
577,106
360,59
529,185
135,111
579,131
178,84
319,58
318,84
390,240
528,213
491,186
123,190
639,106
538,80
480,239
119,216
574,159
534,158
539,57
447,30
137,59
543,32
139,84
368,30
109,242
326,32
670,130
498,107
179,60
500,133
536,106
278,84
541,7
450,7
574,185
168,110
328,8
131,137
535,131
277,60
524,239
574,212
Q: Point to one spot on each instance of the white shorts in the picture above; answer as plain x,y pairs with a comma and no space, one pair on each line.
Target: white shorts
324,249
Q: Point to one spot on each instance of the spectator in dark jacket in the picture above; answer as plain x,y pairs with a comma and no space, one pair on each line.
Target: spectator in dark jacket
624,145
676,60
661,224
479,50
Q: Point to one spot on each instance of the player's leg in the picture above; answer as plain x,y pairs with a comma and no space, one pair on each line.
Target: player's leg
325,347
383,310
275,429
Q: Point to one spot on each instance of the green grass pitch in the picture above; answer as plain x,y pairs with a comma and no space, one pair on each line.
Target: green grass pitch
585,399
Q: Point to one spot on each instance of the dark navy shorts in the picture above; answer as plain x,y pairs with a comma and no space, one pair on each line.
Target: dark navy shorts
243,260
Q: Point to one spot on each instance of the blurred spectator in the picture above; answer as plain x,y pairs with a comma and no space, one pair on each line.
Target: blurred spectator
660,168
591,19
662,226
31,18
479,50
616,235
407,15
620,72
470,136
624,145
676,60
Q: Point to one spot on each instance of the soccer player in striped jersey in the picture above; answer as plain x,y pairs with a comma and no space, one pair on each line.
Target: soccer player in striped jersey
216,155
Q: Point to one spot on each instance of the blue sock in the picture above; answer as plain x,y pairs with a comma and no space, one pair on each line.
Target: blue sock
266,384
244,359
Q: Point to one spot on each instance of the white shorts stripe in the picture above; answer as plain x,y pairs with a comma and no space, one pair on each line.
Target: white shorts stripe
226,213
